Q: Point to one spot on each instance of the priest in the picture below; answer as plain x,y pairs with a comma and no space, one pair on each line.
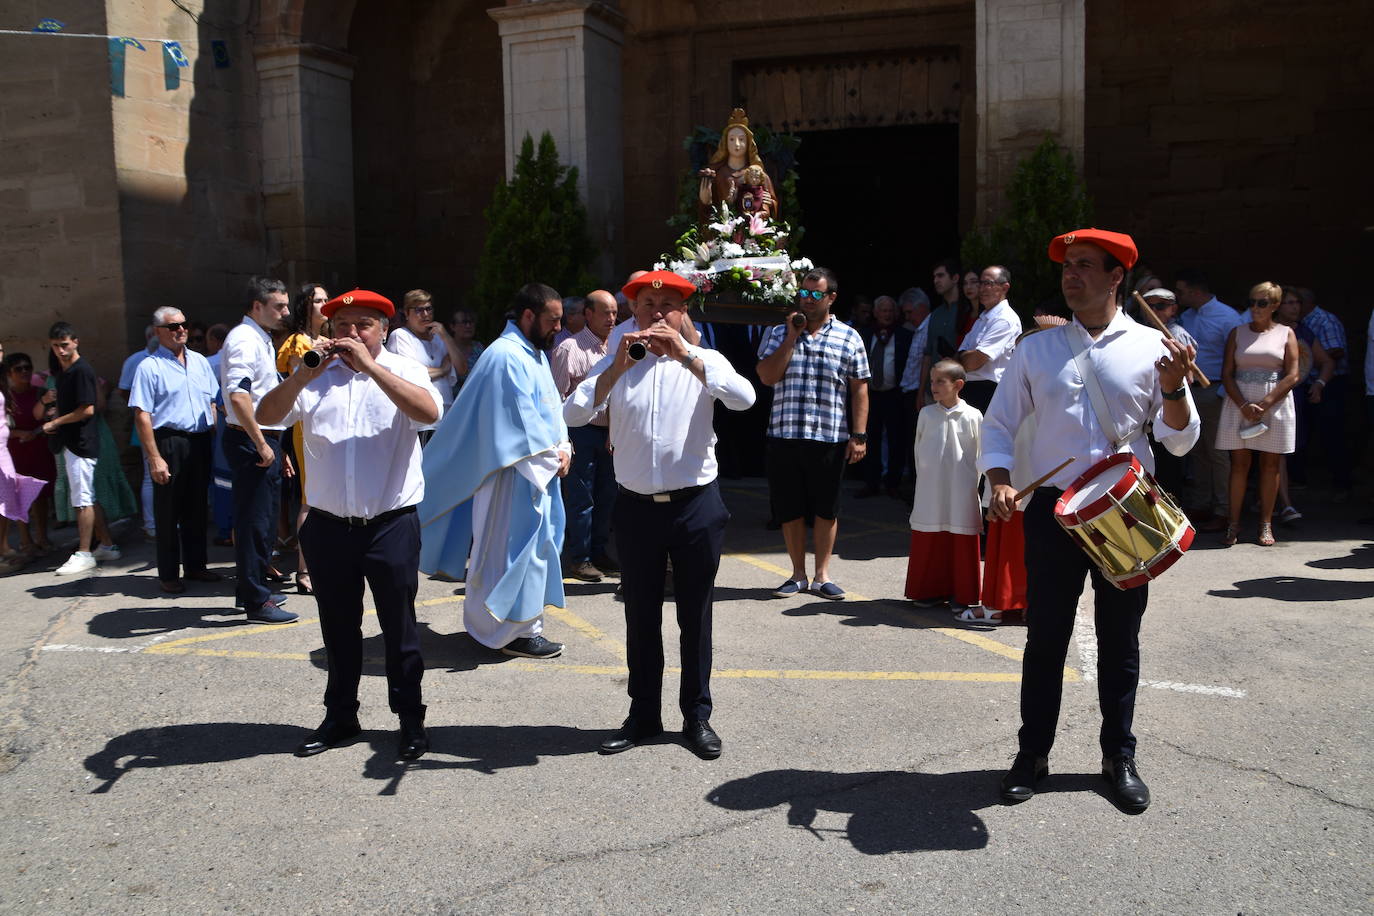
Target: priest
492,513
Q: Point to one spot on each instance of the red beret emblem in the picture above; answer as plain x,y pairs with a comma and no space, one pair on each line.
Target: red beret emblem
347,300
657,284
1068,239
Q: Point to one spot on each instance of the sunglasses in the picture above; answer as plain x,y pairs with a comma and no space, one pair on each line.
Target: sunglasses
173,326
1262,303
422,309
28,368
811,294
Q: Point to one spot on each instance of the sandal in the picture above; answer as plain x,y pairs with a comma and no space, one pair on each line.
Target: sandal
303,584
1266,535
978,614
1229,538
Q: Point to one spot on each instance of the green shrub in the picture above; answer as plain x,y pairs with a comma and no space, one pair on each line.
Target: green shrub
536,232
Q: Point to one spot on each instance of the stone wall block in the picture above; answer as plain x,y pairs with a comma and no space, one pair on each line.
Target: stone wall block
87,226
54,192
22,117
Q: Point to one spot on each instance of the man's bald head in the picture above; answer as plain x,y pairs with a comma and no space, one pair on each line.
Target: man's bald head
600,310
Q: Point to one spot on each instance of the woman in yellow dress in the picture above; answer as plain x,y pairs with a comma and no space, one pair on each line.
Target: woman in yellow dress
307,324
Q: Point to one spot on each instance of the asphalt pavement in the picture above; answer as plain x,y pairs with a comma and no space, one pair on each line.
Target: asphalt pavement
146,766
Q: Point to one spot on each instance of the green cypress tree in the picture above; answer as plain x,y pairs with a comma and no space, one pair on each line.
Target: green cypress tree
536,232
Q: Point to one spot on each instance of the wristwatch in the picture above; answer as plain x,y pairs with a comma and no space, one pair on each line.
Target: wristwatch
1176,395
688,359
861,438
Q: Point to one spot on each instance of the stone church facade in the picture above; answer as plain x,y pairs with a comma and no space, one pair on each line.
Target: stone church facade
356,142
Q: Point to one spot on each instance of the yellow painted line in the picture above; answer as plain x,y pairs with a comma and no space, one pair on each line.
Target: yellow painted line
761,564
589,630
967,636
992,677
169,647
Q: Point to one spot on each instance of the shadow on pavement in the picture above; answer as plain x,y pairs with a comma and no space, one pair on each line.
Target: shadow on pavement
449,651
1358,558
133,622
484,748
888,811
129,584
184,745
1295,588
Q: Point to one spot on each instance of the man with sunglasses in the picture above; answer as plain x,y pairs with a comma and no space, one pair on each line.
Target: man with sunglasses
172,397
815,370
427,342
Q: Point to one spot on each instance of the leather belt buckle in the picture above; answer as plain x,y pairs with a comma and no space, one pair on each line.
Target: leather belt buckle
662,498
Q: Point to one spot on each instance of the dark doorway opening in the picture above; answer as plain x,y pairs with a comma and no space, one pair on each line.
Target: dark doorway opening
880,205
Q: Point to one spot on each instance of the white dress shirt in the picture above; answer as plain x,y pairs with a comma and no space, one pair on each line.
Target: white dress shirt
248,362
911,372
994,335
661,417
364,453
1043,381
430,354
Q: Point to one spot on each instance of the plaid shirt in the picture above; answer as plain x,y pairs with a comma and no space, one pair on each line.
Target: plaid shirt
810,402
1329,332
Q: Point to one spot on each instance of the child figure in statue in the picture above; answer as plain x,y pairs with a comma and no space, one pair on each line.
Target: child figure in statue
737,172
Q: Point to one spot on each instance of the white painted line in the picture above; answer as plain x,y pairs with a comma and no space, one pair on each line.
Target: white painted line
1085,638
57,647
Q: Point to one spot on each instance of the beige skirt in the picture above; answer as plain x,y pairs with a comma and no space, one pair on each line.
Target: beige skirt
1281,419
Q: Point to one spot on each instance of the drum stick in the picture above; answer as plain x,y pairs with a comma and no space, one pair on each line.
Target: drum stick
1154,319
1032,486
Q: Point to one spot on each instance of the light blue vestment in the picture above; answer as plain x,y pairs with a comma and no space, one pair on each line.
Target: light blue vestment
507,411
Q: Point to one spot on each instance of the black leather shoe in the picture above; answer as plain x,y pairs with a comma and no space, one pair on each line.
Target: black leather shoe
1026,770
331,733
414,740
1128,790
702,739
630,733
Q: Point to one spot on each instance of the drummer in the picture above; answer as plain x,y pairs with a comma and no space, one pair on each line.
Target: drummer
1141,375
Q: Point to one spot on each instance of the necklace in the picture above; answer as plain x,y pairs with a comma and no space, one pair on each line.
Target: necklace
1100,327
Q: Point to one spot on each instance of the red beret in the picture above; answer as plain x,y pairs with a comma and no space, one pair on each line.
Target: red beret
359,297
659,279
1120,245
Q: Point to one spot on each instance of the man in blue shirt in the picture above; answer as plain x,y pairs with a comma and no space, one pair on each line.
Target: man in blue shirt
172,396
1210,321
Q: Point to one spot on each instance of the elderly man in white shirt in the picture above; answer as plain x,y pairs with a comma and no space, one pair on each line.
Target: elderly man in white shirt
360,410
661,401
1142,376
986,349
427,342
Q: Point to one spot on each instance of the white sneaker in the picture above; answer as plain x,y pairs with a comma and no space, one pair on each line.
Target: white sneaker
103,553
77,563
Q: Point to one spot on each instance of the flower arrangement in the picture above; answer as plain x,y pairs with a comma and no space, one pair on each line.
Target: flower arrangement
741,256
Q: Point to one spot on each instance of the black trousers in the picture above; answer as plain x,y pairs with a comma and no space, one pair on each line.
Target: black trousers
889,418
647,535
387,557
979,392
1055,571
257,496
179,505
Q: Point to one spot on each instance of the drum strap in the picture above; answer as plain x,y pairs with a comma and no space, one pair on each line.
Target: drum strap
1083,363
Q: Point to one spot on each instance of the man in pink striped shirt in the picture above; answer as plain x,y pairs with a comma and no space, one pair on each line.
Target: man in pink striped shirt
589,488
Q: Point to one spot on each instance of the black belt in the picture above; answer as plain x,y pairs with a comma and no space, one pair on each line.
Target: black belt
354,521
671,496
267,433
165,432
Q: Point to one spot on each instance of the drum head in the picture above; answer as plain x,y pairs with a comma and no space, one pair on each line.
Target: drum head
1086,492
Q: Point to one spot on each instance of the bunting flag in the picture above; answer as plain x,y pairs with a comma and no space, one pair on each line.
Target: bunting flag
219,50
117,48
173,59
130,41
49,25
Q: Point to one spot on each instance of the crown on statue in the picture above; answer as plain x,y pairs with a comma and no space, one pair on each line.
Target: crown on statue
737,119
